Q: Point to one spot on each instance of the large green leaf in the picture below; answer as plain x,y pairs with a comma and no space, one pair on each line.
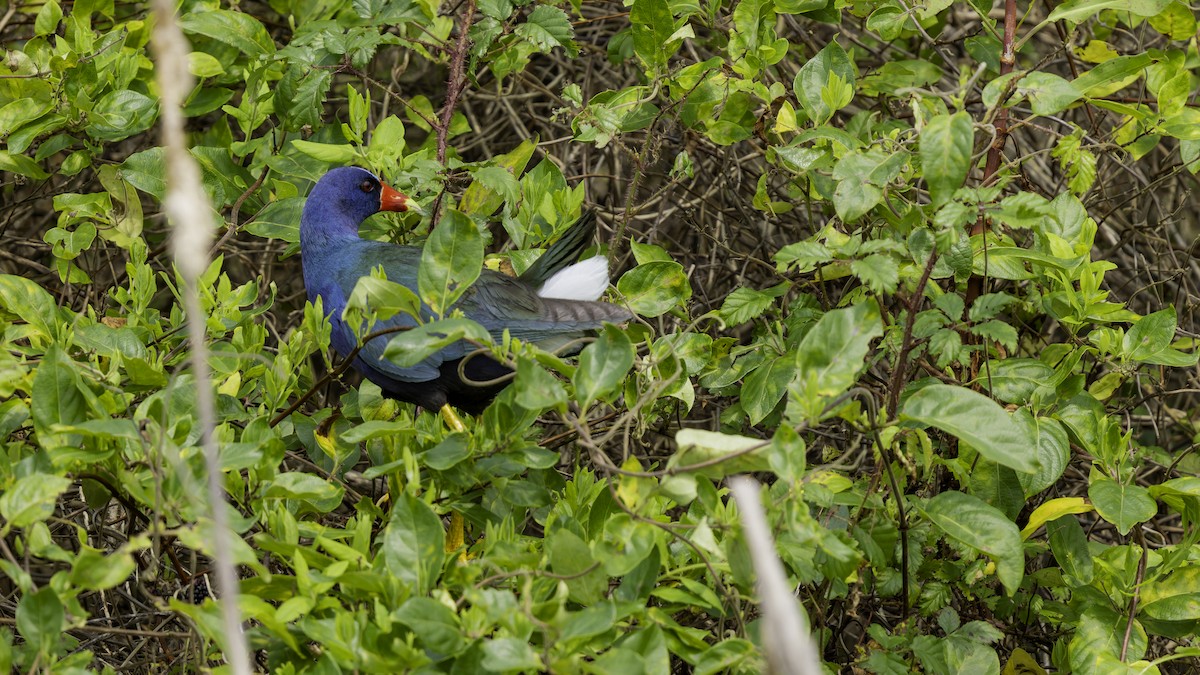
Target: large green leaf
651,24
30,302
832,354
121,114
536,388
765,386
408,348
1112,75
983,527
40,619
815,75
602,365
436,625
58,398
947,142
1077,11
1121,505
1053,452
1175,597
414,544
450,262
237,29
978,421
655,287
31,499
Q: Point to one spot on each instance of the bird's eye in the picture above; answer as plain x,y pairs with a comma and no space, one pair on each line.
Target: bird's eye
366,186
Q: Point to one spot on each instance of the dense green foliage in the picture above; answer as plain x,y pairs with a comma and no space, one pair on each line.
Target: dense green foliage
970,391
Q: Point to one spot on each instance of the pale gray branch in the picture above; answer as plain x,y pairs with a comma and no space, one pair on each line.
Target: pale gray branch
787,640
190,213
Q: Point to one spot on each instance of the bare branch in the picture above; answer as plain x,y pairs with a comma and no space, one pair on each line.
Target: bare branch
189,210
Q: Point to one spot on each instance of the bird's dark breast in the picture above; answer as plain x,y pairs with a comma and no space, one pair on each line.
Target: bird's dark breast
468,384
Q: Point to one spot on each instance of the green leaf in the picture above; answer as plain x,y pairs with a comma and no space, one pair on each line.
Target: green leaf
237,29
453,449
722,454
22,111
508,654
435,624
305,487
203,64
1121,505
327,152
765,386
652,25
548,27
888,21
450,262
984,528
536,388
31,499
854,198
1053,453
40,619
591,621
383,297
147,171
1052,510
408,348
570,557
278,220
1069,544
1176,21
499,183
47,20
414,544
488,189
946,144
1175,597
300,97
121,114
814,76
1112,75
1078,11
22,165
744,304
654,288
1151,334
834,351
31,303
95,571
603,365
58,398
879,272
1048,93
976,420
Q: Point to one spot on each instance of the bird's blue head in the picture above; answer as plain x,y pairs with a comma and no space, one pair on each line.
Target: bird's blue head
343,198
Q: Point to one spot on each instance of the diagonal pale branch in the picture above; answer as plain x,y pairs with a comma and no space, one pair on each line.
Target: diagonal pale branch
188,209
786,634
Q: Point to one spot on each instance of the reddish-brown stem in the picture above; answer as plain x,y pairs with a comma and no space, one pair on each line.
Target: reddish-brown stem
454,88
995,154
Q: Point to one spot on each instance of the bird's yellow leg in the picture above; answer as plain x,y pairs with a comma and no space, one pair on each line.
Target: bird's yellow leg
455,537
452,419
454,534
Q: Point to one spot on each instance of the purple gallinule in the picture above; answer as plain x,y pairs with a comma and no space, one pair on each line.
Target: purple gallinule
554,301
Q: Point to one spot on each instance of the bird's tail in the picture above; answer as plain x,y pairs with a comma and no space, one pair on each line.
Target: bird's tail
563,252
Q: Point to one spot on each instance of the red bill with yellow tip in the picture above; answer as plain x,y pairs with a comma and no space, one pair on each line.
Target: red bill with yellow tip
391,200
